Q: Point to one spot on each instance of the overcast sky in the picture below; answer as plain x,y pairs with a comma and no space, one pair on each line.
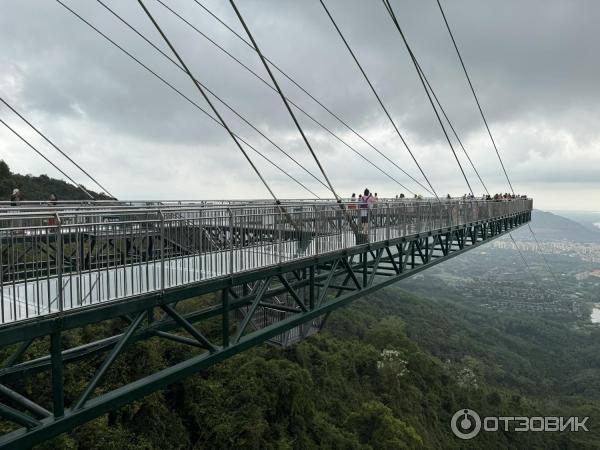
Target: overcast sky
534,65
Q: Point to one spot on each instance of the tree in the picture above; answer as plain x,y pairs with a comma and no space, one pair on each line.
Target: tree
4,170
376,426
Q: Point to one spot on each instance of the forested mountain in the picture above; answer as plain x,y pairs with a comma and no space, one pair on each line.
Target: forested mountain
551,226
387,372
40,187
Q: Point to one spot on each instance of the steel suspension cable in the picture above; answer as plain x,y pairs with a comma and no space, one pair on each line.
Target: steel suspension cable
213,108
177,91
453,129
535,278
544,257
295,83
392,15
377,97
46,159
295,105
55,146
475,95
158,49
462,63
283,98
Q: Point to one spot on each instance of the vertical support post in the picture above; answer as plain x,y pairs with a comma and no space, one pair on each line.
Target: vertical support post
150,315
365,279
401,257
317,227
279,236
57,374
387,222
431,217
225,302
162,250
369,219
230,240
59,263
311,289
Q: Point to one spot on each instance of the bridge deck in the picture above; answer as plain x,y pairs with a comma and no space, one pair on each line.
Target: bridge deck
71,259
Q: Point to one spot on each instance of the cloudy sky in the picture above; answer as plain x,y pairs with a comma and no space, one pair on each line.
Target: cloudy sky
534,65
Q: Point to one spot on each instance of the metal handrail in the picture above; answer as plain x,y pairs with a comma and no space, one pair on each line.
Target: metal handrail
73,257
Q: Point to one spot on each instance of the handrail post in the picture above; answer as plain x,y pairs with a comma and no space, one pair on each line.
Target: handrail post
316,225
230,211
387,222
225,317
59,262
279,235
58,396
431,217
162,250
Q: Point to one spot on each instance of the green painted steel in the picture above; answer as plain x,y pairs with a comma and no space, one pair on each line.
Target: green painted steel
311,285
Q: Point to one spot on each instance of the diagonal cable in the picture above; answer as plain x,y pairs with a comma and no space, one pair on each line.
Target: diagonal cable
475,95
388,7
377,97
177,91
46,159
535,278
158,49
295,83
55,146
201,90
453,129
462,63
284,99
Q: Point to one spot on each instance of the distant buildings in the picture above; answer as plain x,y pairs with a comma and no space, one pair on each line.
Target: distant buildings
587,252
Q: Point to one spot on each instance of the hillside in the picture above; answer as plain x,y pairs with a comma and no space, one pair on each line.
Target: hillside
39,188
388,372
552,227
589,219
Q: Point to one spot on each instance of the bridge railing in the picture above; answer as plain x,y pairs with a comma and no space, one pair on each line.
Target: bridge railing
52,259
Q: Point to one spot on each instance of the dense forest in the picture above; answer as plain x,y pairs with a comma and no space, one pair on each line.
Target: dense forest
40,187
387,372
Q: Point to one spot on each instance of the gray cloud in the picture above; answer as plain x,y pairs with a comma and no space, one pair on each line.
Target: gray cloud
533,63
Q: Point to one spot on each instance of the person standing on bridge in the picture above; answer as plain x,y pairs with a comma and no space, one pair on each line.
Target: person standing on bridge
375,205
52,201
367,203
352,204
15,198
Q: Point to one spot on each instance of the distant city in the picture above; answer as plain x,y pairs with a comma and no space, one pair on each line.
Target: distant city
586,252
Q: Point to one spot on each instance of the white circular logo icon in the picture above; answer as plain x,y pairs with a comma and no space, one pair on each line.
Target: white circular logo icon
465,424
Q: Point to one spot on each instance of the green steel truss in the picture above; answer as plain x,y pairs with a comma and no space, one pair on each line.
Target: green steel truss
281,304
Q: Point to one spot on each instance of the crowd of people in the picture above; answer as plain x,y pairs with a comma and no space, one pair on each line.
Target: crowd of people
367,200
495,197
